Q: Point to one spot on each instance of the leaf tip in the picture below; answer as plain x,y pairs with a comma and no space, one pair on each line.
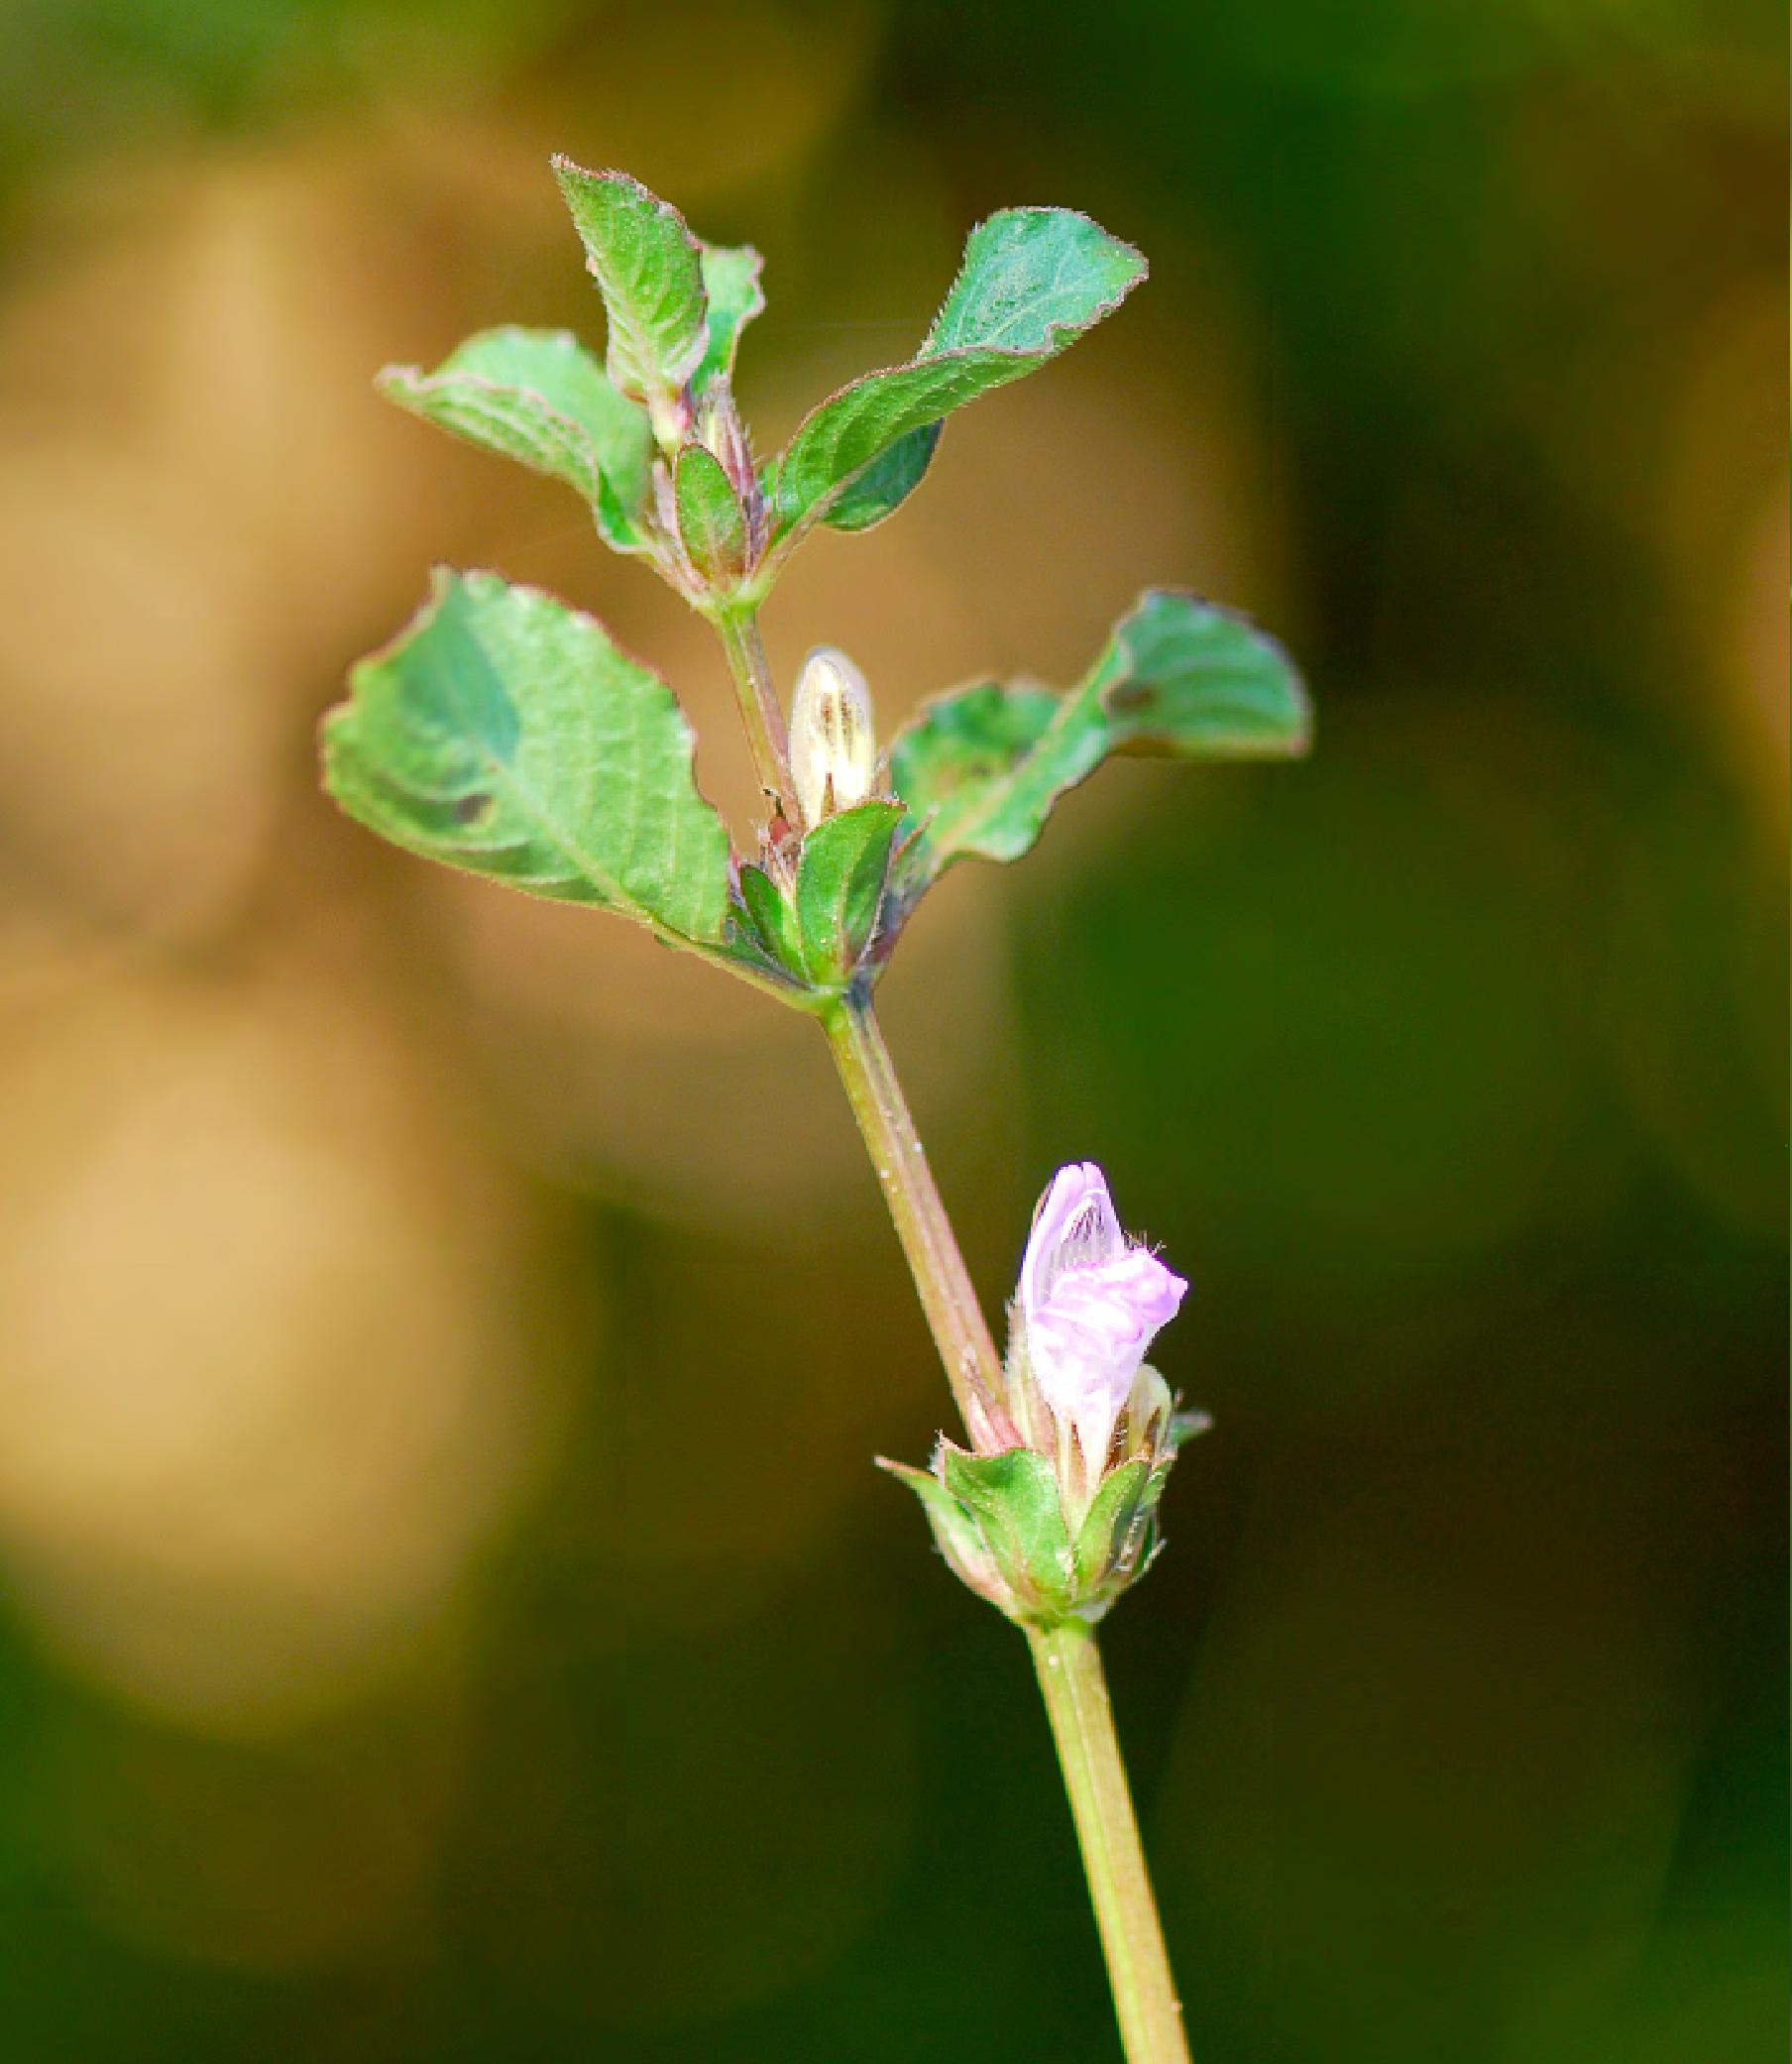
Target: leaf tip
572,175
565,168
397,383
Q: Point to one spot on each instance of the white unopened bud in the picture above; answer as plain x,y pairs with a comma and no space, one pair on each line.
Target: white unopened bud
832,740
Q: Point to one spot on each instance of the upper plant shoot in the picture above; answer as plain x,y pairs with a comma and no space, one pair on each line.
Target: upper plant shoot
509,735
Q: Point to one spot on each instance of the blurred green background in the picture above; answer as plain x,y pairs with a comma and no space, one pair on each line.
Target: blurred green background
448,1612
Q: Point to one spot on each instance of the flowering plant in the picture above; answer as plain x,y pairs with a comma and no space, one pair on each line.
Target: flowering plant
1090,1304
1052,1513
505,734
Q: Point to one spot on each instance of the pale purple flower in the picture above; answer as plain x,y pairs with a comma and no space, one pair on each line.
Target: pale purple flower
1092,1302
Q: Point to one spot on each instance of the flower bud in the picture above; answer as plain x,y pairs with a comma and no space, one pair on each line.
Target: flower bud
1090,1302
1052,1513
833,742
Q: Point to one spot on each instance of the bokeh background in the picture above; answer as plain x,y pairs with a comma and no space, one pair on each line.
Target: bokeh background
447,1614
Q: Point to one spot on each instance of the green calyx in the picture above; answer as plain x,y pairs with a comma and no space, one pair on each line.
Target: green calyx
1021,1530
818,920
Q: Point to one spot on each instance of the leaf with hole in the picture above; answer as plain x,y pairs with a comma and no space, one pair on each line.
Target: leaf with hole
506,734
980,768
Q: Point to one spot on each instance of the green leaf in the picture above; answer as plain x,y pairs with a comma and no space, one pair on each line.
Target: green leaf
980,768
505,734
1032,281
1148,1540
1184,1427
840,876
540,397
773,920
710,521
745,953
1152,1494
649,270
1103,1539
819,933
730,284
1187,679
1013,1497
956,1531
884,484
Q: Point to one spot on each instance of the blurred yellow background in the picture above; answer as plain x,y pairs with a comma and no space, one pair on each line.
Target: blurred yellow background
446,1608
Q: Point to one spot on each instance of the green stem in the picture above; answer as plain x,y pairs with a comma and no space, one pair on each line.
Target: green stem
760,709
1066,1657
1083,1725
954,1315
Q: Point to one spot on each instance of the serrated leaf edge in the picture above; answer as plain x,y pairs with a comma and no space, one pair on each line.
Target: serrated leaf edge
442,579
1301,745
816,512
561,165
1101,315
1099,686
399,384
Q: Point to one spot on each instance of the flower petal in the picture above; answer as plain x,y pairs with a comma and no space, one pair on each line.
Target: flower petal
1076,1226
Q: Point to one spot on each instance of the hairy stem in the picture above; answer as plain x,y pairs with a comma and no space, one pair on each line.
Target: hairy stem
1066,1657
956,1319
760,709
